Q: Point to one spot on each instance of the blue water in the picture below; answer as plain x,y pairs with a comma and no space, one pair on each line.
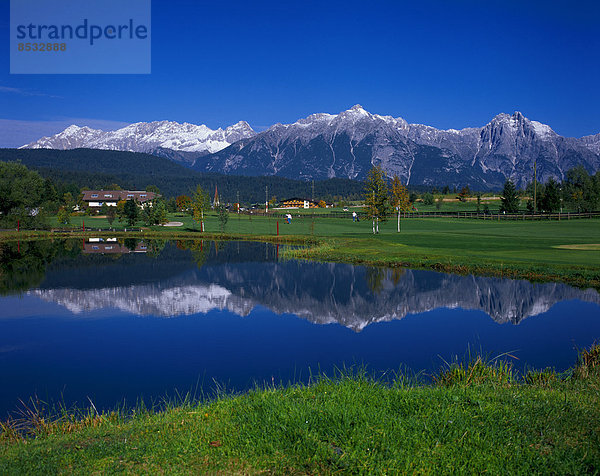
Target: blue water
117,328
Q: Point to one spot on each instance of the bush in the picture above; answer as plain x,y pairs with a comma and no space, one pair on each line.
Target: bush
428,199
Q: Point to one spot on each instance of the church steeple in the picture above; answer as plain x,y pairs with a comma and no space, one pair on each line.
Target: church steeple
216,202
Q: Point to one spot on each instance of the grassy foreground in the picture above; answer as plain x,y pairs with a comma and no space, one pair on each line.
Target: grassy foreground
473,419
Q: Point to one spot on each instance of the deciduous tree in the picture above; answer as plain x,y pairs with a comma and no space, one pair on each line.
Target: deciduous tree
376,196
21,192
110,215
464,193
581,190
399,199
200,203
428,199
63,216
184,203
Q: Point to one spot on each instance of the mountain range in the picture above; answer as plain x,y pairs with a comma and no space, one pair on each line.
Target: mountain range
162,138
347,144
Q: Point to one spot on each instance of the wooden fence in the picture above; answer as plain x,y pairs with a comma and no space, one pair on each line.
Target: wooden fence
473,215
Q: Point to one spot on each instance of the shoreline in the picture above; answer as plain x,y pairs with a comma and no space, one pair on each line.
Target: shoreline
365,251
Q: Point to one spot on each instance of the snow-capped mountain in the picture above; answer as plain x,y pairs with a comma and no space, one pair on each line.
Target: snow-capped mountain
349,143
165,138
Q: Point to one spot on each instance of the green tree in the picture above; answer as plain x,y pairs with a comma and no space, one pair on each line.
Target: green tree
131,211
147,215
153,189
200,203
428,199
582,191
120,211
21,192
172,205
111,213
49,192
159,212
551,199
399,198
376,196
50,197
68,200
510,198
223,215
63,216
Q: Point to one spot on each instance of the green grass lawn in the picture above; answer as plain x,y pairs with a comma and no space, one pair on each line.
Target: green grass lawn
477,419
519,249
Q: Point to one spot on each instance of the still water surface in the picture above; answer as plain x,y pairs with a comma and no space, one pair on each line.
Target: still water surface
117,322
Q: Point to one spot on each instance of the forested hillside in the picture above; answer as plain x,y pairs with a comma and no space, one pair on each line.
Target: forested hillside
95,168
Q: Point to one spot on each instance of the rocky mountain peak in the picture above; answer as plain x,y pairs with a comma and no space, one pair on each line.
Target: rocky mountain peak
72,129
356,112
240,125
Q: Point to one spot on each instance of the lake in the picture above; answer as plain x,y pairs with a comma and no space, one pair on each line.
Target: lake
118,321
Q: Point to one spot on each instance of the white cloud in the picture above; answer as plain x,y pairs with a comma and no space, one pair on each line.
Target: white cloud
25,92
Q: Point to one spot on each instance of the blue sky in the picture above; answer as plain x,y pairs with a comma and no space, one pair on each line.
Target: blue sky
449,64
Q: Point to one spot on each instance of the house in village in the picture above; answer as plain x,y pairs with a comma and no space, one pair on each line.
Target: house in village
94,199
299,203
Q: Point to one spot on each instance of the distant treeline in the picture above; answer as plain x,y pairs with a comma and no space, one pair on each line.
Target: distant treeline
99,169
68,171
